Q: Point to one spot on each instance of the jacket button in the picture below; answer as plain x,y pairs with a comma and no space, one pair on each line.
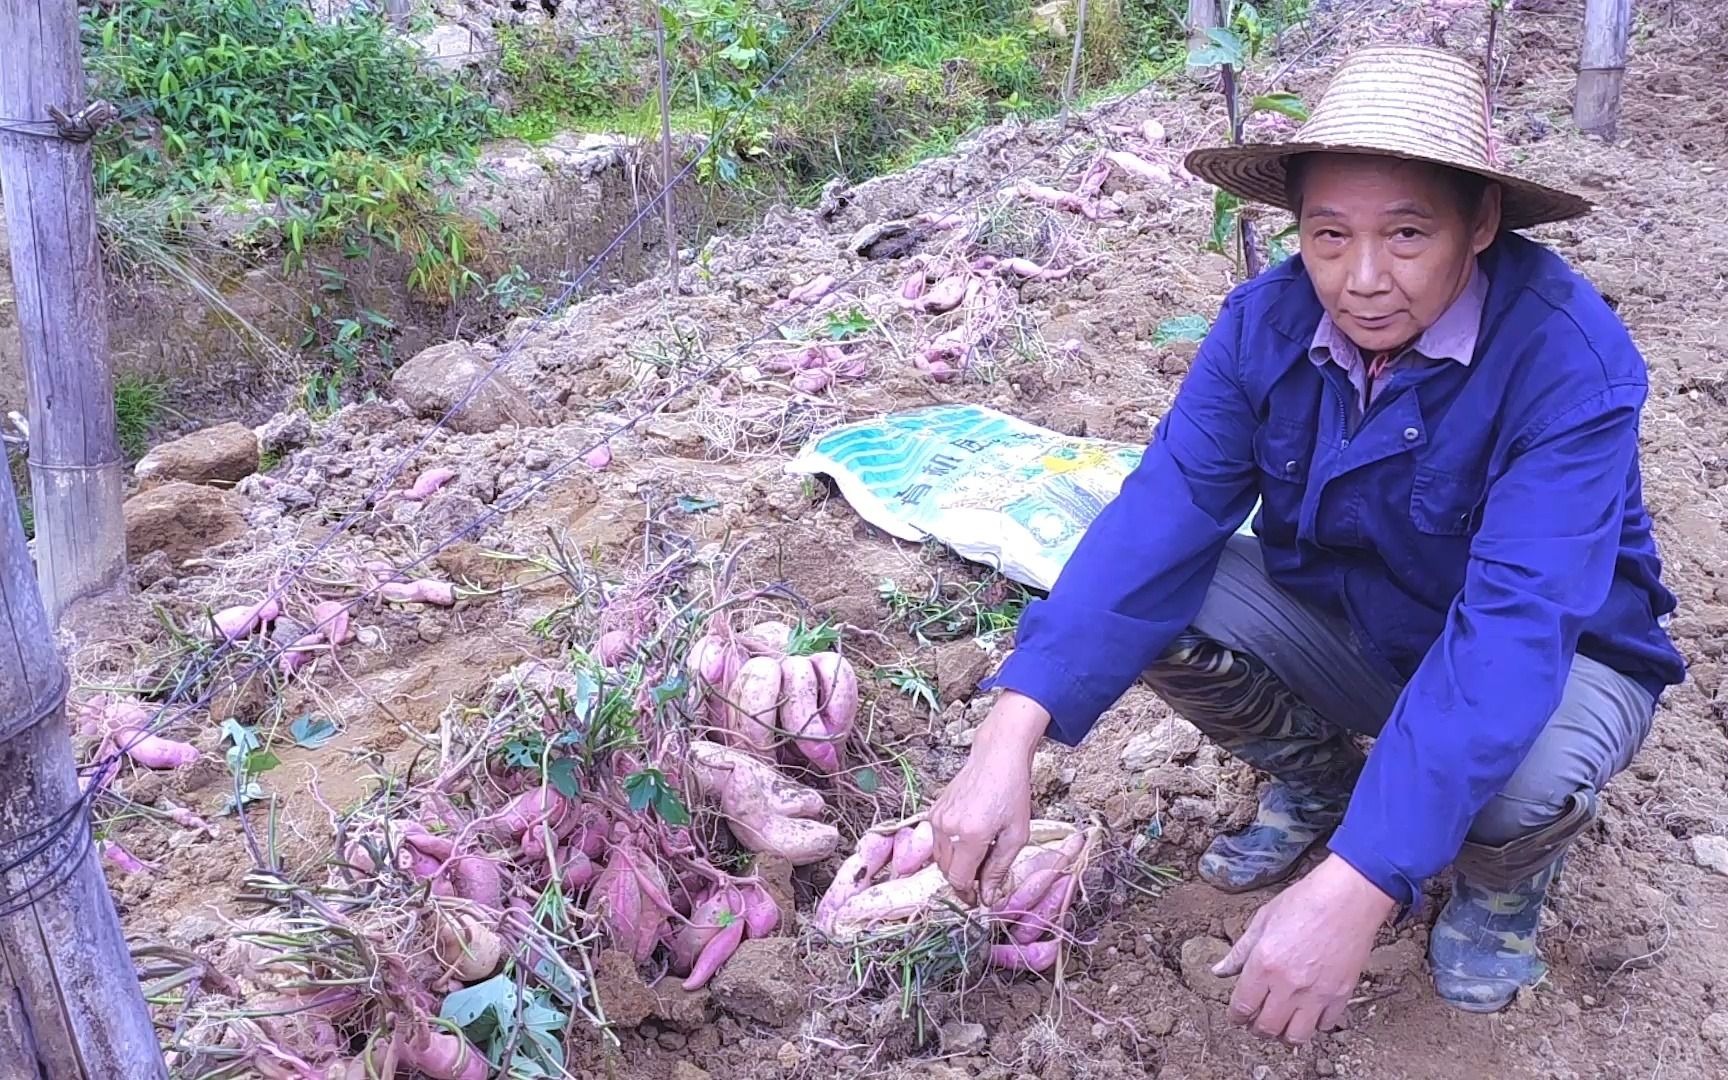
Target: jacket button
1411,434
1290,467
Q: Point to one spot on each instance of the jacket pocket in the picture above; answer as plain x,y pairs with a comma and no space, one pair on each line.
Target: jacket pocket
1282,449
1442,504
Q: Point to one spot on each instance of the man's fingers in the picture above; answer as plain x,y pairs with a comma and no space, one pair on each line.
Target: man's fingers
1248,998
1237,957
1275,1015
961,866
1000,860
1302,1023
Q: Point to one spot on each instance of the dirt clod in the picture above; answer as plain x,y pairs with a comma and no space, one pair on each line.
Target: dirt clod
628,1000
684,1070
1715,1032
181,520
763,982
1711,852
1173,740
1198,956
960,667
962,1039
1394,961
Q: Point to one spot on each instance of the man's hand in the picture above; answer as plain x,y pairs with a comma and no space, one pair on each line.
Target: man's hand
984,816
1302,953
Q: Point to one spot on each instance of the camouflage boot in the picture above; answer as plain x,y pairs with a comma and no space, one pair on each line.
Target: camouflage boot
1238,702
1482,950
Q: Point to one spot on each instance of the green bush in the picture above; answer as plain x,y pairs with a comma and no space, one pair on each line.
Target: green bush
327,124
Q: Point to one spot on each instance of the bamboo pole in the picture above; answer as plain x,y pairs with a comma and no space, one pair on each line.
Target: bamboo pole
70,1005
1602,66
76,470
1074,62
666,173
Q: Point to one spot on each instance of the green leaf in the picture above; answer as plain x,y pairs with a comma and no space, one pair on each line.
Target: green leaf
483,1011
312,732
1282,103
1224,209
867,780
245,739
640,788
261,761
1181,328
808,640
671,808
1227,48
691,504
675,687
562,775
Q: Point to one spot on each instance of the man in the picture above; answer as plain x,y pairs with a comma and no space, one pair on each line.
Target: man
1439,421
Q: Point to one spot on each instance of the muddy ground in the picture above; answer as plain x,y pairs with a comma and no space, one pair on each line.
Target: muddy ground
1637,931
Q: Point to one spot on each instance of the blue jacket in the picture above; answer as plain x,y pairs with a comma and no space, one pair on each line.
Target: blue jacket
1477,528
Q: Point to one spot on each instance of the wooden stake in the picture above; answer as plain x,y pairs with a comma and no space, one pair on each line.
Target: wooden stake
1602,66
1203,15
1073,62
70,1005
76,470
666,174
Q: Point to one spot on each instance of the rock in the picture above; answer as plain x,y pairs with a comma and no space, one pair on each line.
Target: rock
683,1070
452,514
775,873
1160,1023
1198,956
226,454
284,432
181,521
962,1039
763,982
1711,852
960,667
450,48
1053,18
1715,1031
1394,961
1174,739
788,1056
439,377
1324,1067
684,1010
671,1040
152,570
629,1000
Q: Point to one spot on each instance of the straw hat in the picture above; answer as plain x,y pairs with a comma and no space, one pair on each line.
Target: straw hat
1403,101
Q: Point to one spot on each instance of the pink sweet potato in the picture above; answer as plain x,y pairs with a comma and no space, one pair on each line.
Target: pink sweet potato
599,457
469,949
428,484
1152,131
442,1054
812,382
477,878
800,841
687,940
153,751
234,623
1093,182
1045,914
741,782
889,901
770,638
914,285
578,870
715,954
814,289
761,913
913,849
120,857
1026,268
1150,172
837,690
330,618
424,591
801,716
614,646
944,296
1038,956
756,698
854,876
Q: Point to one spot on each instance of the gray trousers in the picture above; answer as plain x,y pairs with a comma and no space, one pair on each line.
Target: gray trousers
1602,720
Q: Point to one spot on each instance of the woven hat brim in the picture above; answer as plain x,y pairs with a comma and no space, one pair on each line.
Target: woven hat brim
1257,173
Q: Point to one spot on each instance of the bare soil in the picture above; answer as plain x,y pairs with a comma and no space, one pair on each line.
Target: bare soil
1637,932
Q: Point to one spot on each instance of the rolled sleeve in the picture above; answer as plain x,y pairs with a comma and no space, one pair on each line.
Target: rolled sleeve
1541,564
1140,572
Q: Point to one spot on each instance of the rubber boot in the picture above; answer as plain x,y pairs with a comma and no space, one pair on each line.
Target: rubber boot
1482,950
1236,701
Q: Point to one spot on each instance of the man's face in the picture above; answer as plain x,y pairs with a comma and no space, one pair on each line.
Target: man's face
1387,244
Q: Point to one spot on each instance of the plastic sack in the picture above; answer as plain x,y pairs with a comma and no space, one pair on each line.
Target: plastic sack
995,489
